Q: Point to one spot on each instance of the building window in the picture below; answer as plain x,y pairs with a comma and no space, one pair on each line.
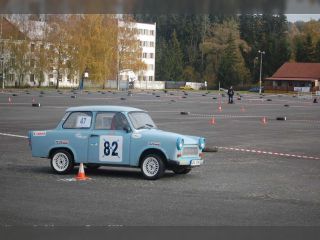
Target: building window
151,55
32,47
12,62
32,61
150,66
140,78
144,78
32,78
144,55
150,78
152,32
11,77
151,44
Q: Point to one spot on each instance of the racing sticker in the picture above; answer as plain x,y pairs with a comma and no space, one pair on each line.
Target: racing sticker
83,122
39,133
60,142
110,148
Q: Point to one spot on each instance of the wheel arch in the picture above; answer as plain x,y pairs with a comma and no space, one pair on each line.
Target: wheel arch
61,148
153,151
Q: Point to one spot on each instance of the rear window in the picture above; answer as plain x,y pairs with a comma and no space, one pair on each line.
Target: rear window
78,120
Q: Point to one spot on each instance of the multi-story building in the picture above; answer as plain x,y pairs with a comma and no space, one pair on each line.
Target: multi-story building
146,34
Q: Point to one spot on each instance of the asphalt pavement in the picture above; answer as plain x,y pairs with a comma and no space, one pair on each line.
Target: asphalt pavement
266,171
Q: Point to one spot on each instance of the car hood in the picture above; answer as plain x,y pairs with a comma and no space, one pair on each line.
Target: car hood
169,135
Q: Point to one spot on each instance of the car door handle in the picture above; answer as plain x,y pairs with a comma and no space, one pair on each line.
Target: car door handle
94,135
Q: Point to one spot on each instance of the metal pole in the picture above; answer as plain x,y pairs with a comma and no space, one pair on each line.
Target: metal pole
2,54
260,78
118,62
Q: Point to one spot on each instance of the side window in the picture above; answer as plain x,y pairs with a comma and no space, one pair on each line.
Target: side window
103,120
111,121
78,120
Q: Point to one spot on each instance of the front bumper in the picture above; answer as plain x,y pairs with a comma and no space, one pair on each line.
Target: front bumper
187,162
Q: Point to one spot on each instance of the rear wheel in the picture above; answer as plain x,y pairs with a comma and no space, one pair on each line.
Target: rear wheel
181,170
62,161
152,166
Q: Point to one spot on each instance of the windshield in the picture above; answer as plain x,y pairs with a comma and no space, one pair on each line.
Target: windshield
141,120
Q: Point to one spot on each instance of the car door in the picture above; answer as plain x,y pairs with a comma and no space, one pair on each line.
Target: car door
109,141
76,131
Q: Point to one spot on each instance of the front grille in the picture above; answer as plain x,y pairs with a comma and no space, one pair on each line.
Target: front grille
190,151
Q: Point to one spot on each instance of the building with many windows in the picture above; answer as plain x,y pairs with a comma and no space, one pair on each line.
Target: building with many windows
146,34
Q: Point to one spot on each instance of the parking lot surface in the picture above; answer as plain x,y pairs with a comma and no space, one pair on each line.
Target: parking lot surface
266,171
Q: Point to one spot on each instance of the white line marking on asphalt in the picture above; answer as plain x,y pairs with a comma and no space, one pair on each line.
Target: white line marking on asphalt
13,135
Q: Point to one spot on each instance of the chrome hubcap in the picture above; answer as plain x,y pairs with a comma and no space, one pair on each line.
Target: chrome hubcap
60,162
150,166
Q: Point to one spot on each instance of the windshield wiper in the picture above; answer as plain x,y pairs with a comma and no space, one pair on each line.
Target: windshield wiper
148,126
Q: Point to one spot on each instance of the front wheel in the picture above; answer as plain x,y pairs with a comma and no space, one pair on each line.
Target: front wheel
62,161
152,167
181,170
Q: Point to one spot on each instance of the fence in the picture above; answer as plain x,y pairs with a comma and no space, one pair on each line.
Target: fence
149,85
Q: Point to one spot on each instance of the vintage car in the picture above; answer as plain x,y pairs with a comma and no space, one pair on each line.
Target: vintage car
115,136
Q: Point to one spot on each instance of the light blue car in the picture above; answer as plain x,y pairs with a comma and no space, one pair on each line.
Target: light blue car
115,136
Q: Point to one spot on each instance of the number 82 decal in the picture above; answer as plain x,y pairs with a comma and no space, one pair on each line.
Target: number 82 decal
110,148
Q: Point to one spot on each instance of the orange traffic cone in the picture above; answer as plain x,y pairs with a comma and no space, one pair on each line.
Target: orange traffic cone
213,121
220,108
81,175
264,120
242,109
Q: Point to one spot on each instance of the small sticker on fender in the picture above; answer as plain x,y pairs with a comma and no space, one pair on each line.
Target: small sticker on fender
39,133
154,143
62,141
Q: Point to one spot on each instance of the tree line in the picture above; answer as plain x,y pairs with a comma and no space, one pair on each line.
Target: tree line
224,49
68,44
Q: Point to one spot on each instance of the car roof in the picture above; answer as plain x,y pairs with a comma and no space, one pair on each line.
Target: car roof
102,108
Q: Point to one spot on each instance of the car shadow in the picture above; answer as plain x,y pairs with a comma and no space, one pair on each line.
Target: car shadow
129,173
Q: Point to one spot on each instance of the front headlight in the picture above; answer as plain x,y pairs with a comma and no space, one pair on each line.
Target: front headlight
202,143
180,143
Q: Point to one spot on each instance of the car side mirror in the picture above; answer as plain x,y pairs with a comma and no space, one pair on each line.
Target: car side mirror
127,129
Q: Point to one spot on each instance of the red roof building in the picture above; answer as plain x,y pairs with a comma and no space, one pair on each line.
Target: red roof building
291,76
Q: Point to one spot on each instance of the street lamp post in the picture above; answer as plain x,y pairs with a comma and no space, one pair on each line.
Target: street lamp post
260,80
2,71
84,75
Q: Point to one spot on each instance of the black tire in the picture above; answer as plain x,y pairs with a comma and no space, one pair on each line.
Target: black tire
63,165
92,166
181,170
152,166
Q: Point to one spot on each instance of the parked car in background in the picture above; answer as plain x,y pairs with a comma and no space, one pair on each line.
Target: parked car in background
186,88
256,89
116,136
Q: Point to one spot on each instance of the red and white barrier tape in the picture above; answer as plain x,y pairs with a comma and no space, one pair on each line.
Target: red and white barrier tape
269,153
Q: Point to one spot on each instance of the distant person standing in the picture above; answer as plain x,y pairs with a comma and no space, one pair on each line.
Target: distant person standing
230,94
